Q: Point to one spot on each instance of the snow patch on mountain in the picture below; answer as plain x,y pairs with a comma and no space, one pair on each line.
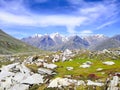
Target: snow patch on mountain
57,36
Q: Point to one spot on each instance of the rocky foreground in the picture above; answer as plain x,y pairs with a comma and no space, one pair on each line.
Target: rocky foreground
41,70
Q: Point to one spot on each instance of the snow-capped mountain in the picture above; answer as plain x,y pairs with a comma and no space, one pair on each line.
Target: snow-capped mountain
113,42
75,42
58,38
116,37
94,39
56,41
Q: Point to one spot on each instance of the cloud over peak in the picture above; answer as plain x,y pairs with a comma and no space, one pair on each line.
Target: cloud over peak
68,13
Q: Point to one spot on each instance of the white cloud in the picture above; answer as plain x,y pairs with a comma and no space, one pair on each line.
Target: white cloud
11,19
99,9
62,20
43,20
105,24
19,15
100,12
86,32
71,29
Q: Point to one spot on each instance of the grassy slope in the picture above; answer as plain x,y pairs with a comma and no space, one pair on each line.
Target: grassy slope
83,73
9,45
86,71
96,63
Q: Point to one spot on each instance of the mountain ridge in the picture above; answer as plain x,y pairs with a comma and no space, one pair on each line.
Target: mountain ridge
10,45
113,42
62,42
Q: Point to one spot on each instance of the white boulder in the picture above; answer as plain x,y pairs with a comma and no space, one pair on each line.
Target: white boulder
67,52
85,66
62,82
33,79
64,58
56,58
6,83
69,68
19,87
44,71
59,82
94,83
108,63
114,83
99,69
50,66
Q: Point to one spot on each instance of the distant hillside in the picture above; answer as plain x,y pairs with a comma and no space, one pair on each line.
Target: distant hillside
107,44
116,37
9,45
95,39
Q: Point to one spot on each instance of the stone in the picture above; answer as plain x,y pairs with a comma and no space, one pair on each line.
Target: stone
94,83
69,68
113,83
50,66
33,79
59,82
108,63
19,87
99,69
85,66
44,71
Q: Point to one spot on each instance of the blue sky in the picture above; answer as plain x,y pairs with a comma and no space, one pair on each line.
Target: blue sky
23,18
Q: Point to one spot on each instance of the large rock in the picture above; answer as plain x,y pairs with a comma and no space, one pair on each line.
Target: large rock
87,64
69,68
16,76
63,82
94,83
59,82
19,87
114,84
50,66
33,79
56,58
108,63
45,71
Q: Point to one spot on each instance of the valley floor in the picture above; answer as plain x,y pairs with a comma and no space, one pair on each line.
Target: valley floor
64,70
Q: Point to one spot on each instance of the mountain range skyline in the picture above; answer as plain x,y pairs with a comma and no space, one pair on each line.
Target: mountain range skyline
57,33
23,18
57,41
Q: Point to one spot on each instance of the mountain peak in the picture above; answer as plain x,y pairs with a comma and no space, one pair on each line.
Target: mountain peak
37,36
100,35
58,36
53,35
